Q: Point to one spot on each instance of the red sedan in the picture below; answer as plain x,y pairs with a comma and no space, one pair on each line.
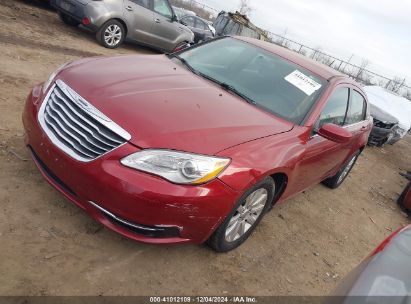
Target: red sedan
194,146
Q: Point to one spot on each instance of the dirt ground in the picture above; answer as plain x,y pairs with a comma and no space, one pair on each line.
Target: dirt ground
50,247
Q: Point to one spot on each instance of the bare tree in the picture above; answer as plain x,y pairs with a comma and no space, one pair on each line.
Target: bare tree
282,40
367,79
302,51
381,83
361,70
316,54
287,44
396,84
244,7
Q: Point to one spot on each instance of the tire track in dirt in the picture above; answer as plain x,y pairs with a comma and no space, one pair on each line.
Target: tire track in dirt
21,41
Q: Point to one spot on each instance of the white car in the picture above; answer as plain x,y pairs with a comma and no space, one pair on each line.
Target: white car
392,115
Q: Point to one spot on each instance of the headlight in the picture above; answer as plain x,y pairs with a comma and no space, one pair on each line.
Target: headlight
177,167
48,82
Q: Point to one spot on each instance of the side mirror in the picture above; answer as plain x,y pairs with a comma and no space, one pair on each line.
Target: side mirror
335,133
174,18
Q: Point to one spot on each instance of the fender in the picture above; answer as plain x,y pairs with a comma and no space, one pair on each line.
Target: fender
267,156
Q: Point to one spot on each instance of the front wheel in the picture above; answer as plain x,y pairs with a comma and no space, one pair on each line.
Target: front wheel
244,217
111,35
336,180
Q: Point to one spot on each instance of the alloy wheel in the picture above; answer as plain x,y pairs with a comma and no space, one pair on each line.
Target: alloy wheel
346,169
246,215
112,35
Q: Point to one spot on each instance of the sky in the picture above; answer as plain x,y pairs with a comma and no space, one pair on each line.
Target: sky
378,30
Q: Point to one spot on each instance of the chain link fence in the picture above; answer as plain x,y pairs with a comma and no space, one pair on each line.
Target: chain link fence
361,72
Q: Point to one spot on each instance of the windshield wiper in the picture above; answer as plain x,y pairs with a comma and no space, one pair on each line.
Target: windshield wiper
237,92
183,61
224,85
229,87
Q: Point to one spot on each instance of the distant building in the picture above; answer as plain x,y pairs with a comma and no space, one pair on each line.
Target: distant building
236,24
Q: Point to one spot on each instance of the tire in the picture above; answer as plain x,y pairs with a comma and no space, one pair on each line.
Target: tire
336,180
111,35
221,240
400,200
68,20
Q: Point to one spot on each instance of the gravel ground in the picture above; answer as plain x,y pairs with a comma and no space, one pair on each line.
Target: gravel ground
50,247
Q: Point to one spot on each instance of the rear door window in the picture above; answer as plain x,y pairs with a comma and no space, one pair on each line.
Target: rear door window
162,7
357,108
143,3
335,110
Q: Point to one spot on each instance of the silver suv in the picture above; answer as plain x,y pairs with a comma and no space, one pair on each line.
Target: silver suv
148,22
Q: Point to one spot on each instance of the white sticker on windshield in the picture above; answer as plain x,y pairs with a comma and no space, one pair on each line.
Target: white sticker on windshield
303,82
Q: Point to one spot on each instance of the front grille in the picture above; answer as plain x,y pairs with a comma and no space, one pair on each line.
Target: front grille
383,125
77,127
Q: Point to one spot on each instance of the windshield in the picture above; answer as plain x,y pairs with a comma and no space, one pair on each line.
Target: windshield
269,81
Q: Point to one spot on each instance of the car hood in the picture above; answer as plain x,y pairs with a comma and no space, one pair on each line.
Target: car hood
163,105
382,115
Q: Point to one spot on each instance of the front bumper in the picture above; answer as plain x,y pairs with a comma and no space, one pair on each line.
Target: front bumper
380,136
137,205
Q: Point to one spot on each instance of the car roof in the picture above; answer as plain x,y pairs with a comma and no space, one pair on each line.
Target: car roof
315,67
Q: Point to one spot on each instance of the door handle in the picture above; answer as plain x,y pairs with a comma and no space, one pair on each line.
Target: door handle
157,20
129,8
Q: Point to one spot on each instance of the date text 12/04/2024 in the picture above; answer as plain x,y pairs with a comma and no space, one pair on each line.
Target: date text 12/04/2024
237,299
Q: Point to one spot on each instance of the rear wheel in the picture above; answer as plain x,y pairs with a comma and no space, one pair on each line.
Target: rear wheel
111,35
244,217
68,20
336,180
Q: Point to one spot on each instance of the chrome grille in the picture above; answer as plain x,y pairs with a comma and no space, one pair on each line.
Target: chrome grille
77,127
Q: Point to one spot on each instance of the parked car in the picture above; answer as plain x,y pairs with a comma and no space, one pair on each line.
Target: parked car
212,28
386,128
391,113
181,12
383,277
201,29
405,198
194,146
148,22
